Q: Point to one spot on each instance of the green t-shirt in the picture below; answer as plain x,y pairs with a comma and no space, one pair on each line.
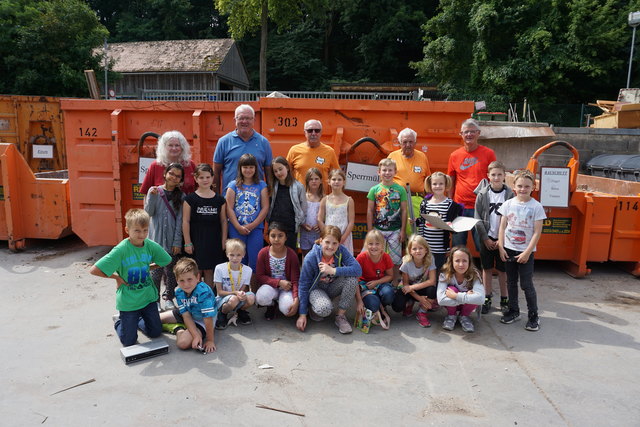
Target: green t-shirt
387,200
132,264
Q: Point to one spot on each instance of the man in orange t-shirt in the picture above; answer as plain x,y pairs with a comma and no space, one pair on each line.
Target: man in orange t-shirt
468,165
412,167
312,154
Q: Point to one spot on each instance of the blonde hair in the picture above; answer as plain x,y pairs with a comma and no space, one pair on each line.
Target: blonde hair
235,245
428,180
471,275
388,163
496,164
374,235
330,230
184,266
524,173
136,217
418,240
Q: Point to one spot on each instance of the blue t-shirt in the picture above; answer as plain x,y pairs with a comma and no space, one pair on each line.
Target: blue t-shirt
247,205
229,149
200,303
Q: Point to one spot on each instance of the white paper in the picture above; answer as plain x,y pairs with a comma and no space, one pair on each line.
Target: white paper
143,167
460,224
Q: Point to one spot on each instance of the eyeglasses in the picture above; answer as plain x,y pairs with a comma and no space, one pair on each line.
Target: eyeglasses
244,118
174,175
313,130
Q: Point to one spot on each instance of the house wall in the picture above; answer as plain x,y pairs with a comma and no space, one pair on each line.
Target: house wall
132,83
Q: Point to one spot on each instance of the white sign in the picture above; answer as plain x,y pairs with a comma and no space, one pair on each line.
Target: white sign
361,177
42,151
554,187
460,224
143,167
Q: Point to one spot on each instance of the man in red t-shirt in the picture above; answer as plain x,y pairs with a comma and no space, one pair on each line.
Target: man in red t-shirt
468,165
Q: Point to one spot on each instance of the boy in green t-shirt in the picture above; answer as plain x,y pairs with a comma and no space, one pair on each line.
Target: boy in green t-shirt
129,264
387,212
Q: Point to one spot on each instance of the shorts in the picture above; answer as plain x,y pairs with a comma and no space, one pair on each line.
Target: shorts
490,259
220,301
180,319
393,246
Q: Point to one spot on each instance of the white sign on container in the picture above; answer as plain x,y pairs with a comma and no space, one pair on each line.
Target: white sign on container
143,167
361,177
42,151
554,187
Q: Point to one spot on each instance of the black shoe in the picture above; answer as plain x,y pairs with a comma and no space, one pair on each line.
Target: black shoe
504,304
222,321
270,314
534,323
487,305
244,318
510,317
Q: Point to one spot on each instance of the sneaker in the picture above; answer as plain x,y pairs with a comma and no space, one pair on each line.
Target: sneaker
169,305
423,320
173,328
244,318
504,304
343,325
315,317
467,324
510,317
222,321
270,314
449,322
408,309
115,317
487,305
534,323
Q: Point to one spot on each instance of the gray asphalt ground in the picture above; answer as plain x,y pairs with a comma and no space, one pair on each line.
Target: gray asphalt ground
581,369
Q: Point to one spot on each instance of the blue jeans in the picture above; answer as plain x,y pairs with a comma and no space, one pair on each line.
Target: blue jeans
460,239
524,272
146,319
383,296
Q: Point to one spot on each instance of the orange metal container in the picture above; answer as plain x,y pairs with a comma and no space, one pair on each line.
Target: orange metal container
344,122
34,125
103,154
30,207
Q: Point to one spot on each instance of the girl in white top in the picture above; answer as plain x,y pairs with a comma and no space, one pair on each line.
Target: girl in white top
338,209
310,231
459,289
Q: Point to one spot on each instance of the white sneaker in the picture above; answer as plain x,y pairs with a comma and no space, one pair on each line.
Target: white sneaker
169,305
115,317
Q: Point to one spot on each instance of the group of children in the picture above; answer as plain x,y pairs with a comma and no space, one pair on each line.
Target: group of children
211,291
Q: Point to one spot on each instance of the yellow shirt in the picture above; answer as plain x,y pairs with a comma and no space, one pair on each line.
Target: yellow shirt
301,158
413,171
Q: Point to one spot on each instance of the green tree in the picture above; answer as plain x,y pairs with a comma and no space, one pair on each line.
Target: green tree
546,50
45,46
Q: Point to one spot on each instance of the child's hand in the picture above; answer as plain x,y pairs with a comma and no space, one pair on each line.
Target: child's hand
209,346
119,282
244,230
360,308
153,190
316,228
307,227
370,285
403,234
523,257
503,254
326,268
188,249
301,323
196,343
294,307
175,250
425,304
406,289
285,285
241,295
451,294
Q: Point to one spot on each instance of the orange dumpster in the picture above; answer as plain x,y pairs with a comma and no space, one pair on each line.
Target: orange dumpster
104,151
30,207
34,125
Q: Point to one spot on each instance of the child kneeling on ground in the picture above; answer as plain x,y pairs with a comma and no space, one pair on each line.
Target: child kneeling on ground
459,289
232,280
196,308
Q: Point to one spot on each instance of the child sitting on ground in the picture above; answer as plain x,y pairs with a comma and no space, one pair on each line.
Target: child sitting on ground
129,264
232,280
196,308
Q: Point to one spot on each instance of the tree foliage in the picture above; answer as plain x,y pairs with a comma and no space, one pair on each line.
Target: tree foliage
45,46
547,50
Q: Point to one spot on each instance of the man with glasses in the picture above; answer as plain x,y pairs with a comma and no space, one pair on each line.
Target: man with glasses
244,139
468,165
312,154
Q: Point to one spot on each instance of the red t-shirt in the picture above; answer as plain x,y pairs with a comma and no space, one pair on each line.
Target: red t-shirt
468,169
373,271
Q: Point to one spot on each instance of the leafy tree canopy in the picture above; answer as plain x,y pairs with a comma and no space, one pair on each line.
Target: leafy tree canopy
45,46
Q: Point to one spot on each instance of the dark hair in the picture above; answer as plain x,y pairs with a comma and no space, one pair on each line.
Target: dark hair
247,160
176,195
307,178
275,225
203,167
288,181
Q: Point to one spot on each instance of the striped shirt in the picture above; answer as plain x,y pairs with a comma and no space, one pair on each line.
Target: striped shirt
438,239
